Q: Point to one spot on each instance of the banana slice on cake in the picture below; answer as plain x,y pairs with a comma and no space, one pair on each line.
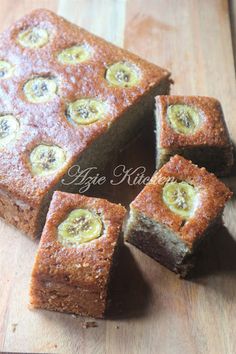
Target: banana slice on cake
123,74
33,37
9,127
86,111
6,69
80,226
40,89
74,55
184,119
46,159
181,198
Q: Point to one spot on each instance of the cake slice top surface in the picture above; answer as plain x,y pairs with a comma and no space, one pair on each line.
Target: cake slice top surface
63,87
190,121
78,240
198,198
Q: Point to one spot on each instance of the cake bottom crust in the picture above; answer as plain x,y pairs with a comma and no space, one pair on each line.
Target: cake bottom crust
55,296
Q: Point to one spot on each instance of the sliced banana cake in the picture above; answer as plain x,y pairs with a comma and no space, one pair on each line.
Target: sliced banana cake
176,210
194,127
76,254
67,98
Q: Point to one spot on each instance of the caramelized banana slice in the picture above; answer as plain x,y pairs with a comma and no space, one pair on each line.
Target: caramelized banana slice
6,70
74,55
80,226
34,37
9,127
184,119
123,74
86,111
40,89
181,198
46,159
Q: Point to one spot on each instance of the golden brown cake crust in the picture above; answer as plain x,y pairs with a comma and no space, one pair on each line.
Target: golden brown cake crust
213,131
213,196
88,265
47,122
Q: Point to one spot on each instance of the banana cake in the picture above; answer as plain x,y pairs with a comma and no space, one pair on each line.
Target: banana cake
77,251
180,206
67,98
194,127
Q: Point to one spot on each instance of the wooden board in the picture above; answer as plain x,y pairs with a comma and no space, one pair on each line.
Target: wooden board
158,312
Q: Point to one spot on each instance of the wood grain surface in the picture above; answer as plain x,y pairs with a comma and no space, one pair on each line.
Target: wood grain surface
153,311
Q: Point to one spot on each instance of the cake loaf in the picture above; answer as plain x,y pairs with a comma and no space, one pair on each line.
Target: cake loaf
67,97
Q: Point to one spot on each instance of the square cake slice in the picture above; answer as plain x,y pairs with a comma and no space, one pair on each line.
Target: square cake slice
175,211
194,127
76,254
67,98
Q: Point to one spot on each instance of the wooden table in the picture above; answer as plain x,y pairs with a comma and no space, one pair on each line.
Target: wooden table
159,313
